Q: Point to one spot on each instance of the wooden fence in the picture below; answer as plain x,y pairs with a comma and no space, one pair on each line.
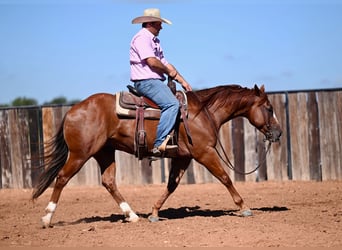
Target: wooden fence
310,147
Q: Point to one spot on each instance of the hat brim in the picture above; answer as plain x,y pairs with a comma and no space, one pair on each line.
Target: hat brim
147,19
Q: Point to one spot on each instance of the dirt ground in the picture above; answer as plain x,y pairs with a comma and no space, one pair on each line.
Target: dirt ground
286,214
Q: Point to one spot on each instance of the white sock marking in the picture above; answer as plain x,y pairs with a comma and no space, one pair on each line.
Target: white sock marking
128,212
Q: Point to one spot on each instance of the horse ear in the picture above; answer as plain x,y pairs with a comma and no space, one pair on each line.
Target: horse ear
257,90
262,88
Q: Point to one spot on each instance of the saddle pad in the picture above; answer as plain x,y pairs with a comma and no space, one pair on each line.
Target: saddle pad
126,104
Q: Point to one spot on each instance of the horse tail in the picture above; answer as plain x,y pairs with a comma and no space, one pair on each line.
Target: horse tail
54,158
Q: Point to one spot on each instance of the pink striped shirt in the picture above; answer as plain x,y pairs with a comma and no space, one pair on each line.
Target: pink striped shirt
144,45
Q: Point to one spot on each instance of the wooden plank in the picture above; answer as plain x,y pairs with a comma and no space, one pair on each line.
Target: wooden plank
36,143
5,152
198,174
161,170
339,132
47,120
329,129
128,170
24,143
277,163
250,150
299,136
190,175
262,171
52,118
146,171
238,148
89,175
313,130
15,150
202,174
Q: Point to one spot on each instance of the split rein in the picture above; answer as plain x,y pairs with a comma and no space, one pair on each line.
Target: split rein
227,161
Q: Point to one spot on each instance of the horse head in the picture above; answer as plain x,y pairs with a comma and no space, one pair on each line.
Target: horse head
262,116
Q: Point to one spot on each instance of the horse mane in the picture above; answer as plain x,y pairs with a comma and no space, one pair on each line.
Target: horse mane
220,95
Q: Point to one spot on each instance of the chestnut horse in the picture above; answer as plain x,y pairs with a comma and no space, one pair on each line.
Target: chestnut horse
92,128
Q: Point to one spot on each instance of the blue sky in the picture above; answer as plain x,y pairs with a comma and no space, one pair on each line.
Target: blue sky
76,48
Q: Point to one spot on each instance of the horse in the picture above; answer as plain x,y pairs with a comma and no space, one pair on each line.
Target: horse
92,128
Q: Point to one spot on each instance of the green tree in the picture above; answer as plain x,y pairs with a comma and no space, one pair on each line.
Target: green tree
23,101
61,100
58,100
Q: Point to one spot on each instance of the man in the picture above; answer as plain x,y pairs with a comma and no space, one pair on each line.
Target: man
148,70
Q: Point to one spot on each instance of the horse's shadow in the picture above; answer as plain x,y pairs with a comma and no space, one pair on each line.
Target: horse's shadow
173,213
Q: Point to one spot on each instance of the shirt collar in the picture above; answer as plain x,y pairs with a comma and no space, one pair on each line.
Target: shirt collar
149,33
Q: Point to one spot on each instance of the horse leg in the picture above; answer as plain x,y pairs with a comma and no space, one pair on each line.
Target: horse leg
106,160
211,161
178,167
70,168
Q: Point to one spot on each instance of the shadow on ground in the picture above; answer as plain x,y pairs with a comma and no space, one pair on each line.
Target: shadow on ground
172,213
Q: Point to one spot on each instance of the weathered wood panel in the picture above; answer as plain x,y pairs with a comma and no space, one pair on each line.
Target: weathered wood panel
5,152
339,133
251,159
277,158
330,126
238,148
16,154
261,154
299,136
313,136
36,143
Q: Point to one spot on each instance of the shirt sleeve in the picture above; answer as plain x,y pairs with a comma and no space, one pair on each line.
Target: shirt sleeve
144,47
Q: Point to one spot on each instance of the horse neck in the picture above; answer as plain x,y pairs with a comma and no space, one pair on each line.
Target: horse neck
232,105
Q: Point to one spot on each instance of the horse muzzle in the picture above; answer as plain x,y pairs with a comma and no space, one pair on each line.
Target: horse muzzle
273,134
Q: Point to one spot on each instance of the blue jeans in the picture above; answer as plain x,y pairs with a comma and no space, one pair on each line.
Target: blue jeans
160,93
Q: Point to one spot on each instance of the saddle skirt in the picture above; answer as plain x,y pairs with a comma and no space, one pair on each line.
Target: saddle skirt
127,103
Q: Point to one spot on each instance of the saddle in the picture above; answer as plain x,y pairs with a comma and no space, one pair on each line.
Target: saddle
132,105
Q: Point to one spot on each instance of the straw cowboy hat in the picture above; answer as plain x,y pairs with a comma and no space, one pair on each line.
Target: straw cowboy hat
150,15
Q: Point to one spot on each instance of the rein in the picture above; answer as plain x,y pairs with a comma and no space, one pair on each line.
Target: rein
227,161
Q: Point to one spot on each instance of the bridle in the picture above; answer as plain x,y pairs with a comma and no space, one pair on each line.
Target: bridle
226,161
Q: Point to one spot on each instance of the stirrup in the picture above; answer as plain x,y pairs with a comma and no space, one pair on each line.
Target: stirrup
164,147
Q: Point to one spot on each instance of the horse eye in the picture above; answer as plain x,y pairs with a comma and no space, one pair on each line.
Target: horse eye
269,109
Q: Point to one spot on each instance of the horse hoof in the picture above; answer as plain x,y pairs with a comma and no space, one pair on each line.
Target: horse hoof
45,222
133,218
153,218
246,213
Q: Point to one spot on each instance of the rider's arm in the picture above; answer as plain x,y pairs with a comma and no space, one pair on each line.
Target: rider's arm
159,67
179,78
169,70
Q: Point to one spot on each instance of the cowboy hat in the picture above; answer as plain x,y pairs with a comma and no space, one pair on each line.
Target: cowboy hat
150,15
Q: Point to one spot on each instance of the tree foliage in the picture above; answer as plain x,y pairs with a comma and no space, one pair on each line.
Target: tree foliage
23,101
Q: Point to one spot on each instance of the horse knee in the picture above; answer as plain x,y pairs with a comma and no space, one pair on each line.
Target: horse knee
226,180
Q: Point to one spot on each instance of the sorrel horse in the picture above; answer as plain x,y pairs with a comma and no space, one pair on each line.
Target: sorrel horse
92,128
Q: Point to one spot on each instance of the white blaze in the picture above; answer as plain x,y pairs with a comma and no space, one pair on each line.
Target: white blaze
275,117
